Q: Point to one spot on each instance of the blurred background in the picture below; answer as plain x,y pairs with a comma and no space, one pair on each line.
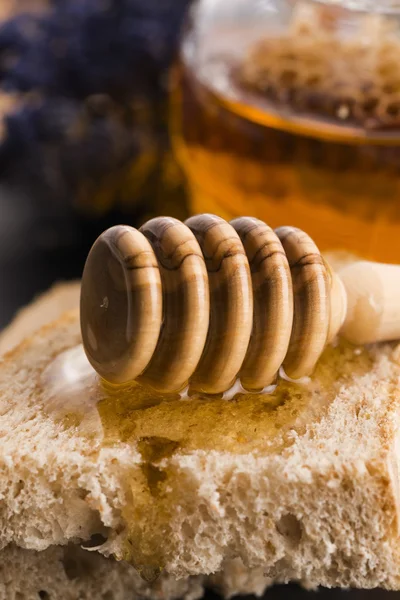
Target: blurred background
114,111
83,131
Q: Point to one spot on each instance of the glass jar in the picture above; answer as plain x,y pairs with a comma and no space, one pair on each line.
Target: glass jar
290,111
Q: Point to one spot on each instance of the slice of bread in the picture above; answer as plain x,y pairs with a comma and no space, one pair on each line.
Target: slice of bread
298,485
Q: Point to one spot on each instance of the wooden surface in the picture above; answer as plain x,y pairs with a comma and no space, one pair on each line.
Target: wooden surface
39,246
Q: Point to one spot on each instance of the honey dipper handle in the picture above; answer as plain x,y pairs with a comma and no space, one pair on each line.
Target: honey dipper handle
373,302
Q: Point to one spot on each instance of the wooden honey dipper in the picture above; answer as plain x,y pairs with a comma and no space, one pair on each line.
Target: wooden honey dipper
208,301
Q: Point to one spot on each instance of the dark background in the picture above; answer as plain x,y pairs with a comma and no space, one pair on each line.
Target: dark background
40,247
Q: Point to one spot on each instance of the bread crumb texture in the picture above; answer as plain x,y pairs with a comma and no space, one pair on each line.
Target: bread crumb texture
300,485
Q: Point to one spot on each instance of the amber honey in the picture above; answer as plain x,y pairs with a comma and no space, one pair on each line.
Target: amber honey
162,424
302,128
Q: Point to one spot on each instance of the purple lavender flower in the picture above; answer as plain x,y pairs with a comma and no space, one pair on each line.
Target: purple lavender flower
90,76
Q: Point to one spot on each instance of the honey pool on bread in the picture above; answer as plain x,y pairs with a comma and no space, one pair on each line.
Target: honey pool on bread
161,424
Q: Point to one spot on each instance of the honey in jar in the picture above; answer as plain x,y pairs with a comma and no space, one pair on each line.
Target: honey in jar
290,112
